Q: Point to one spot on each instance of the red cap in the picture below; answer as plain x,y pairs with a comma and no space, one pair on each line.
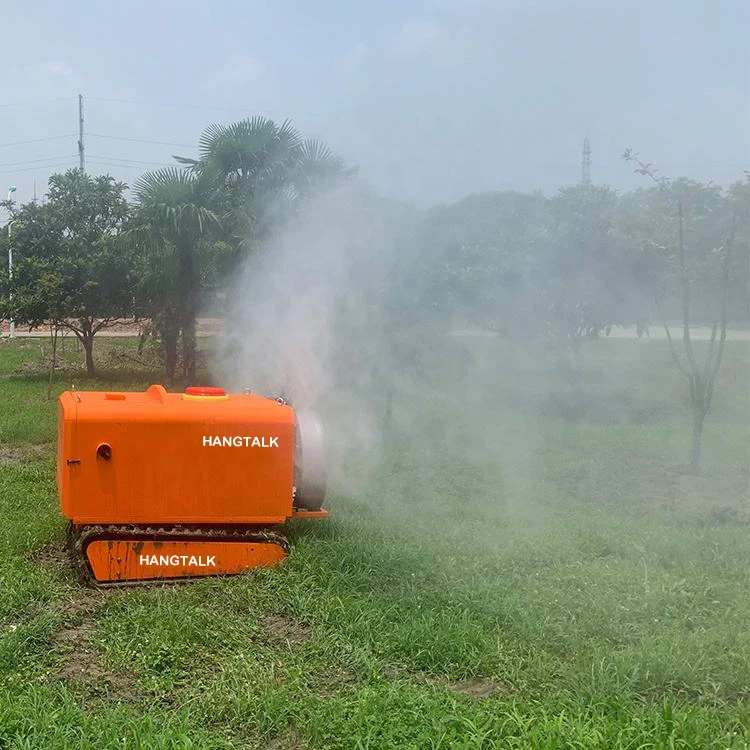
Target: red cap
204,390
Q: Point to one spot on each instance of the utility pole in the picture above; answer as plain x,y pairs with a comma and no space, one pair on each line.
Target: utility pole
82,162
586,163
11,190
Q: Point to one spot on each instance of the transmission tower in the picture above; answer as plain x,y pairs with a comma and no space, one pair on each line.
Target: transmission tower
586,163
81,159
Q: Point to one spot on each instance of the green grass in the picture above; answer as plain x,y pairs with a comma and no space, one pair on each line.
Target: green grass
508,534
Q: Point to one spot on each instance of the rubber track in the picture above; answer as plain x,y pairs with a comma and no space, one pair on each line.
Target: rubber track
78,541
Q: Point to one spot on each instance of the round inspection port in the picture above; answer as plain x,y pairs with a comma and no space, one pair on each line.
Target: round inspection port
104,451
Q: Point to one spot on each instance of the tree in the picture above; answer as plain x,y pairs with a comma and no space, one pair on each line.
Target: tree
68,268
157,294
479,259
699,256
530,267
257,172
193,227
585,275
172,218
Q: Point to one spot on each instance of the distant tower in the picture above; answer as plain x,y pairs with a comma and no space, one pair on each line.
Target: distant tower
81,159
586,163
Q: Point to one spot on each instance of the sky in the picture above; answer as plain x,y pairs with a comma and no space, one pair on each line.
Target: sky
432,100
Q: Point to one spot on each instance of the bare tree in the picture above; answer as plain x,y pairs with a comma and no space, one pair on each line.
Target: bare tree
701,375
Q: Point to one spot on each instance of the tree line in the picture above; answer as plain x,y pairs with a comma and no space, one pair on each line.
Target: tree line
566,267
86,258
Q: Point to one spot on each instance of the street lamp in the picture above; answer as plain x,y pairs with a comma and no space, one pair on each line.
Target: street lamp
11,190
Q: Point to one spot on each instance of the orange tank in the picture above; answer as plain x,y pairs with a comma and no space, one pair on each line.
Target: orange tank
162,485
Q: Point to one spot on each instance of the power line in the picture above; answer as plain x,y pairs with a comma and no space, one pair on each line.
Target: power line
32,169
179,105
37,101
35,161
701,166
38,140
140,140
162,103
141,167
133,161
616,164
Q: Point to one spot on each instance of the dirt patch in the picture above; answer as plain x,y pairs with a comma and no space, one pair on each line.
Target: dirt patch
290,741
282,629
479,688
334,681
42,366
85,602
21,453
729,515
52,556
83,663
75,635
82,659
85,668
60,562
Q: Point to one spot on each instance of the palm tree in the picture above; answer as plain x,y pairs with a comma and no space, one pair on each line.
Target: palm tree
158,297
172,217
258,170
316,165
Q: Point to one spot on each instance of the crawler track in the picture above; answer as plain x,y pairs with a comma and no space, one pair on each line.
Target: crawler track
79,539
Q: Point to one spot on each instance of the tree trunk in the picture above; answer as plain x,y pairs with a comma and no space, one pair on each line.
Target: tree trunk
170,351
698,395
188,285
53,363
88,346
695,456
189,343
388,411
168,327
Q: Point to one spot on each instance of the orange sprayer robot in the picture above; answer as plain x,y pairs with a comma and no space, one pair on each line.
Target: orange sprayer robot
164,486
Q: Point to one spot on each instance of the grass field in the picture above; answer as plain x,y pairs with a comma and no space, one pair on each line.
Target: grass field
509,567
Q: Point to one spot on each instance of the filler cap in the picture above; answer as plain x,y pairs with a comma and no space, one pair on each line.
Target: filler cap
204,390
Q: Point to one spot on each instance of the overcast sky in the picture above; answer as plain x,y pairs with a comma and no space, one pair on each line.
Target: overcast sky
433,100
